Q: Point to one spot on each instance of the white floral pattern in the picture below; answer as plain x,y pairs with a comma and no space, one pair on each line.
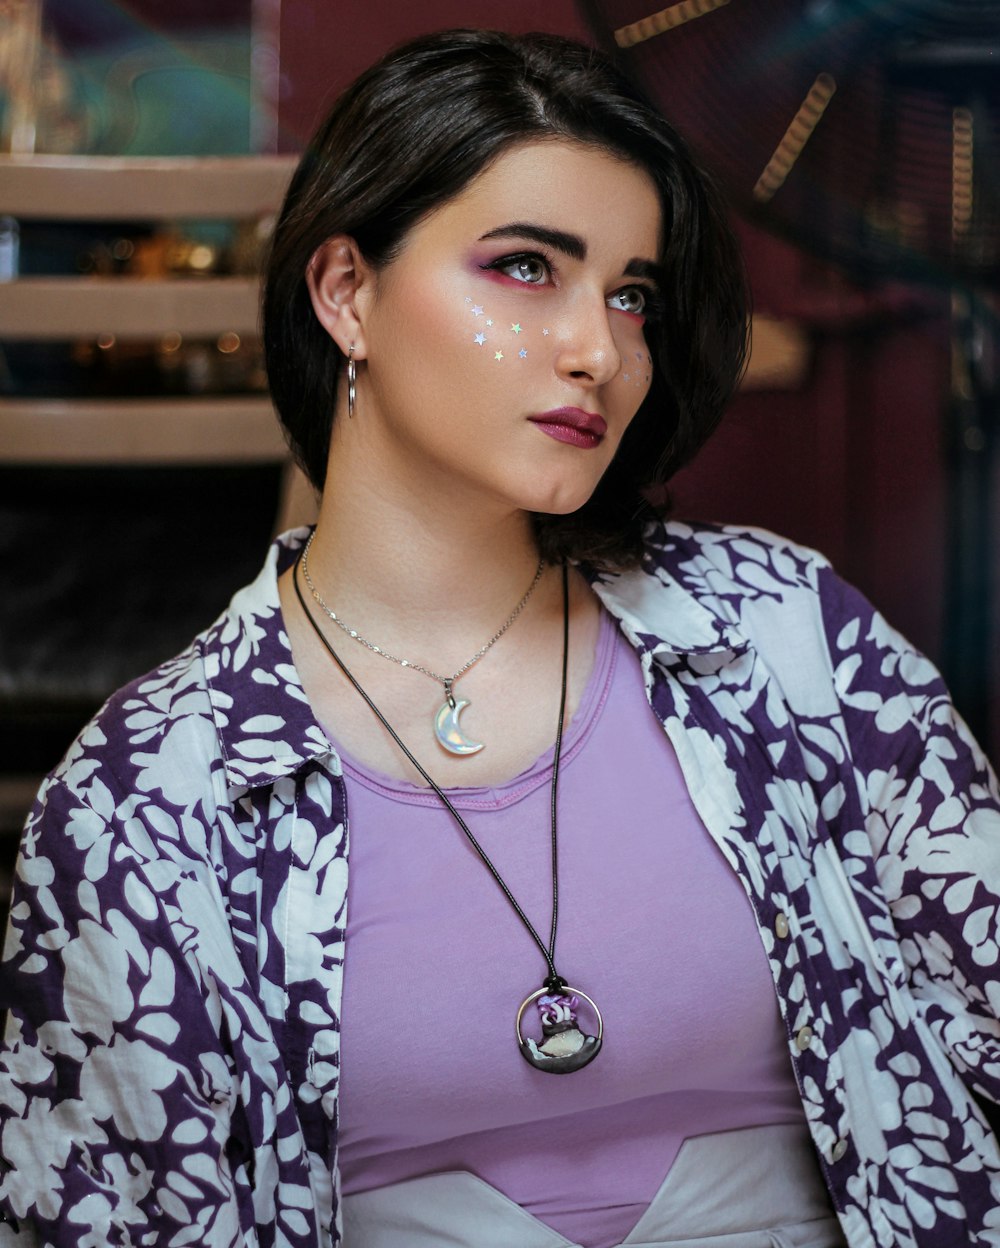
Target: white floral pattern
173,964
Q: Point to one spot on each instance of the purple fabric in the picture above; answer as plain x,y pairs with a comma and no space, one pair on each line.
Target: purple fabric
173,968
653,925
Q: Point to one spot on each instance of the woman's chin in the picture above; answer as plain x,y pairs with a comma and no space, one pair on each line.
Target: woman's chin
561,502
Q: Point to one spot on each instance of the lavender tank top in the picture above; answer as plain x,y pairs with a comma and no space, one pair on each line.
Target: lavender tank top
653,925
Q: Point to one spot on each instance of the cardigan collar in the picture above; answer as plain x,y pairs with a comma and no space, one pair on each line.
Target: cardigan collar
662,617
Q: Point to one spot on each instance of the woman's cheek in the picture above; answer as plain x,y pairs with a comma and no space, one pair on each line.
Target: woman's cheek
636,370
635,375
495,339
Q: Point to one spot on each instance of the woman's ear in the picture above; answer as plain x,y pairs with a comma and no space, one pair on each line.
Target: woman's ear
339,278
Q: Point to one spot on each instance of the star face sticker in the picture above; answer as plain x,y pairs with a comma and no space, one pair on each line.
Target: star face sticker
476,309
625,376
479,339
489,322
523,353
468,298
498,356
515,329
545,332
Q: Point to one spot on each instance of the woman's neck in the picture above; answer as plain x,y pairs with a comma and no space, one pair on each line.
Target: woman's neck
428,576
429,571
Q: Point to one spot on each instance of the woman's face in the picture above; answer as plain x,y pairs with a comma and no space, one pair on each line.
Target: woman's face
504,348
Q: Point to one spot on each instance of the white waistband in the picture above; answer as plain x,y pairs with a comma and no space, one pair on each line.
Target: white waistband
755,1188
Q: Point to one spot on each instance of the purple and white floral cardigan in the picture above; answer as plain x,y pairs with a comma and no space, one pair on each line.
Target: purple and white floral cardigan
174,961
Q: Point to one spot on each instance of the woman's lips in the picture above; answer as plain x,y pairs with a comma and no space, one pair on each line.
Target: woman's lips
572,425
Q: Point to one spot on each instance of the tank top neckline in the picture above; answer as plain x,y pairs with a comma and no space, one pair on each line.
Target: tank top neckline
497,796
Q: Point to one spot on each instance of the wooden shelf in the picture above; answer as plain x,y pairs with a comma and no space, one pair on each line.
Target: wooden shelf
120,188
53,308
140,431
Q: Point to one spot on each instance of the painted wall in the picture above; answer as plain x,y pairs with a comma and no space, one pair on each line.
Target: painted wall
324,44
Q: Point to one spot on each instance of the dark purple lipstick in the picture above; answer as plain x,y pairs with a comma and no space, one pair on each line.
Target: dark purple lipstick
572,425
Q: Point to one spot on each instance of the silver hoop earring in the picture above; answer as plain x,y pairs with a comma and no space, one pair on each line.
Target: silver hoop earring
352,377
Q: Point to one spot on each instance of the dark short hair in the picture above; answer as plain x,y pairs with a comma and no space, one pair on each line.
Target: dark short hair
410,134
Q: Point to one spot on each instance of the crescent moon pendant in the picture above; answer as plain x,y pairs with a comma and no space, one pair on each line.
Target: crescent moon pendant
449,735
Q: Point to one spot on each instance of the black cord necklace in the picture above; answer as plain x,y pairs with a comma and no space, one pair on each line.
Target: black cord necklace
564,1046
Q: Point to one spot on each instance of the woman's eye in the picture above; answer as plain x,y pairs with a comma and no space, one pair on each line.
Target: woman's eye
631,299
530,269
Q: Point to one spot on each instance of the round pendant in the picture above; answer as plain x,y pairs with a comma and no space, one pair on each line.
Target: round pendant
446,728
564,1046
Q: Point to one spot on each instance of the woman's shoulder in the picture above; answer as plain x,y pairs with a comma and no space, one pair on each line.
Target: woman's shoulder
164,732
780,596
815,632
152,744
745,577
744,555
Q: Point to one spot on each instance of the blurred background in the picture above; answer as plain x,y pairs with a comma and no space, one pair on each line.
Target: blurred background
146,146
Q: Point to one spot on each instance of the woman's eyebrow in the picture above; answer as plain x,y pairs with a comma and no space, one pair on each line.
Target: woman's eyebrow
637,267
571,245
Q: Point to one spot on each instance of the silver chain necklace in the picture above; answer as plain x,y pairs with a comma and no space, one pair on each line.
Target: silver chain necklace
447,731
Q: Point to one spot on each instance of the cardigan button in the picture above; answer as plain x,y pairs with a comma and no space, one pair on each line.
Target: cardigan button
781,925
803,1038
838,1150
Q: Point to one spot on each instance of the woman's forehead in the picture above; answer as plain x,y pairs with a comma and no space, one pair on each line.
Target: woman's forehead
575,188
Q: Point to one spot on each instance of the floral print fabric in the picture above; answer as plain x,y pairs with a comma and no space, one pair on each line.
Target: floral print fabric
173,967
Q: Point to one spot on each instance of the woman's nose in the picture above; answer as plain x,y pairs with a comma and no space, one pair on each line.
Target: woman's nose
587,350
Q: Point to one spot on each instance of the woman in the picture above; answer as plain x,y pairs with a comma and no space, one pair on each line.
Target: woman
605,779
